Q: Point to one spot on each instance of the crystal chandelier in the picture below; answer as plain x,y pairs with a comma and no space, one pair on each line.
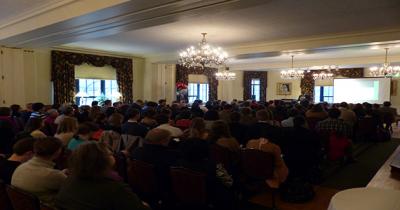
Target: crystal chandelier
203,56
292,73
225,75
324,75
386,70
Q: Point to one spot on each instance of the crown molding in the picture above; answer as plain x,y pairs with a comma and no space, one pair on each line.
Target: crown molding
35,11
96,52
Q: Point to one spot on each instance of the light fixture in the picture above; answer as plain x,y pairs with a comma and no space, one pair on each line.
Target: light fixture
203,56
292,73
225,75
324,75
386,70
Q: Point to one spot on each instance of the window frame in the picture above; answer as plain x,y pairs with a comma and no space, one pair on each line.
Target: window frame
253,85
198,91
102,89
322,97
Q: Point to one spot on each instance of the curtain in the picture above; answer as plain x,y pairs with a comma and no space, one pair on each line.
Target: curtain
248,76
307,83
63,73
182,75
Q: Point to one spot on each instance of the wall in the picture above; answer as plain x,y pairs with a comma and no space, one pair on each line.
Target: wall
274,78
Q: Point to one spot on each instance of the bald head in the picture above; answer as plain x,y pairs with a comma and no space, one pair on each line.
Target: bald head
158,136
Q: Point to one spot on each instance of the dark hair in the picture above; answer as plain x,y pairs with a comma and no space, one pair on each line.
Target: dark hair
95,103
211,115
15,110
84,129
5,111
219,129
197,128
90,160
235,117
23,146
162,119
131,113
107,102
46,147
37,106
149,113
344,105
334,113
162,101
387,103
33,124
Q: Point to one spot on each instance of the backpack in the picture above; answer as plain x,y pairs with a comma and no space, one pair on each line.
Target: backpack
297,191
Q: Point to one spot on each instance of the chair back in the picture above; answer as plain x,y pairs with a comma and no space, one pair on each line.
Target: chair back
21,200
256,164
189,186
220,155
142,177
5,203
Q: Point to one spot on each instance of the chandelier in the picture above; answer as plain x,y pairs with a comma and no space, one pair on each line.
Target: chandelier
225,75
203,56
386,70
292,73
324,75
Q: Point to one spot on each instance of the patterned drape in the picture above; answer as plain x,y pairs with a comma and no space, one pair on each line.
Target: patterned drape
63,73
182,75
248,76
307,83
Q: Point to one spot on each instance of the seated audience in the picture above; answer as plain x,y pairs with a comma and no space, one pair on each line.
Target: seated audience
316,112
164,124
38,110
280,170
16,115
84,134
38,176
22,152
7,133
237,129
132,126
347,114
333,123
50,128
90,187
289,121
66,130
149,120
387,114
183,120
33,127
263,126
225,114
247,117
210,117
66,111
220,135
197,129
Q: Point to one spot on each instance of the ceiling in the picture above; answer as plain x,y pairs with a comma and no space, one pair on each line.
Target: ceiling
13,9
273,20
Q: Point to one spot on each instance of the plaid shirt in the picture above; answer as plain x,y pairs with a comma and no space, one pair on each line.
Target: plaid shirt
337,125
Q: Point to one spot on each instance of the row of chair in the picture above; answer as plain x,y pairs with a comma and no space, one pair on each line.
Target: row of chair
12,198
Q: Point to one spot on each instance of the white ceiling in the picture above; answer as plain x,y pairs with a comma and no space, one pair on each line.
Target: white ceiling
274,20
13,9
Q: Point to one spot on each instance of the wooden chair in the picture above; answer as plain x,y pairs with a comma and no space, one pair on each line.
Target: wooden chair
142,179
256,167
21,200
189,187
5,203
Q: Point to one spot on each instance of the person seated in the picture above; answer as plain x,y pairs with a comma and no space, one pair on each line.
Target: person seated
333,123
50,128
155,151
263,125
38,110
225,114
210,117
301,149
22,152
197,129
33,127
164,123
247,117
347,114
37,175
66,130
280,170
66,111
6,131
237,129
90,185
221,136
289,121
183,120
316,112
388,114
132,126
149,120
83,136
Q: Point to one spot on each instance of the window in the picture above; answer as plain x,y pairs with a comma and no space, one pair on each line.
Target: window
255,89
94,88
197,91
323,93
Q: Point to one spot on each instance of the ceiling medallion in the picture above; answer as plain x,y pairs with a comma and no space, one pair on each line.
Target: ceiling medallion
386,70
225,75
203,56
292,73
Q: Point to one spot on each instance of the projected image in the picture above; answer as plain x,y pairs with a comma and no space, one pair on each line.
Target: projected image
372,90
